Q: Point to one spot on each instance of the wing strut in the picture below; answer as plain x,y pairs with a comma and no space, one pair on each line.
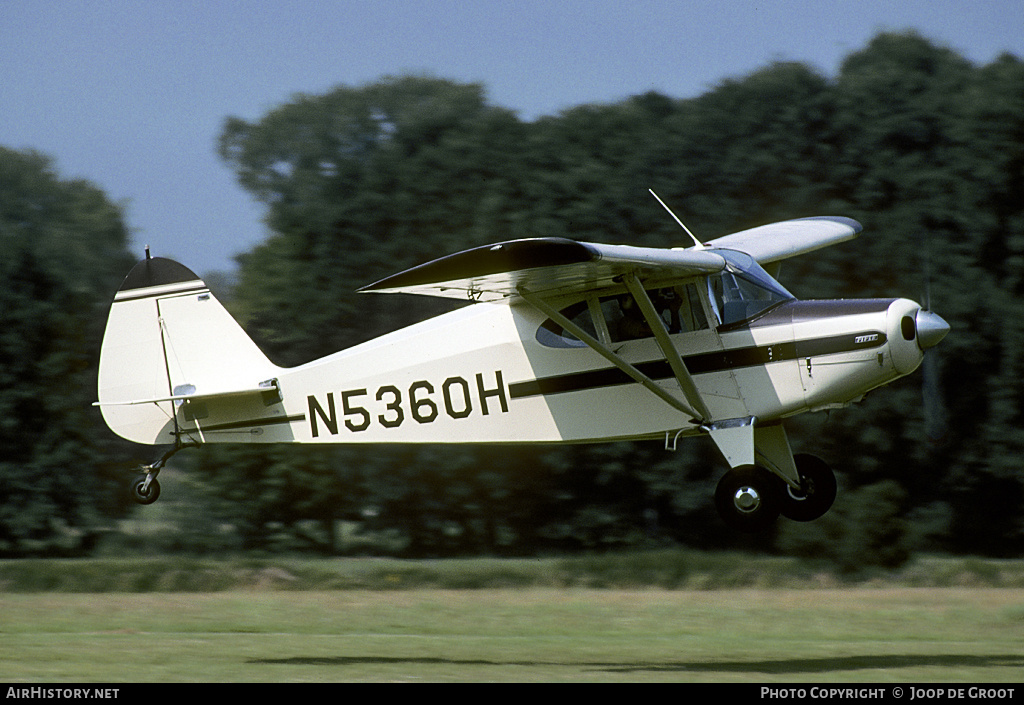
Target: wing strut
603,350
654,322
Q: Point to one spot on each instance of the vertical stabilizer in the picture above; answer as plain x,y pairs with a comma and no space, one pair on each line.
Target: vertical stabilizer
167,335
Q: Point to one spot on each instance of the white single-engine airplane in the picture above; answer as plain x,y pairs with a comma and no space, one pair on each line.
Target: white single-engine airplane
566,342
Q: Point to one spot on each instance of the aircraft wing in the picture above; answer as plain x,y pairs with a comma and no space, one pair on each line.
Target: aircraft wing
544,266
779,241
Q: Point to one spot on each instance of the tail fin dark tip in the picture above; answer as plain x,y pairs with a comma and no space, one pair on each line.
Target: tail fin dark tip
157,271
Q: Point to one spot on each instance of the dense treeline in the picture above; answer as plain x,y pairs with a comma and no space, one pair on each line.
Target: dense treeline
64,248
921,146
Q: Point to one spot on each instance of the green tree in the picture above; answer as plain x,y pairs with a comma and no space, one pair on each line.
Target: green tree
65,251
360,182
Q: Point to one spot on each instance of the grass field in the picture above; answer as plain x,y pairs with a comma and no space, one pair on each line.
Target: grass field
854,634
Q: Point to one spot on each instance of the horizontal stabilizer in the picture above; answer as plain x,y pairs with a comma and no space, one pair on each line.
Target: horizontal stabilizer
189,394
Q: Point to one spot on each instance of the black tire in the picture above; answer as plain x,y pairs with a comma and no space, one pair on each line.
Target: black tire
748,499
151,494
817,491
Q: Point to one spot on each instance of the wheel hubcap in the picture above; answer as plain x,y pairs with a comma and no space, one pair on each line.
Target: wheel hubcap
747,499
805,491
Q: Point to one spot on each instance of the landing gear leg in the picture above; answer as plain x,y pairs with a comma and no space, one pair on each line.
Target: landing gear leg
145,489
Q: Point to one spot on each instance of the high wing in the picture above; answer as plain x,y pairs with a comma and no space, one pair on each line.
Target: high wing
778,241
548,267
544,266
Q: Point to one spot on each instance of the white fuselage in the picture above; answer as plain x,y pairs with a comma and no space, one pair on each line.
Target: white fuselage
480,374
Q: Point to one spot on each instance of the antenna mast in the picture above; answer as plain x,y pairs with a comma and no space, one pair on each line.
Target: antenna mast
696,242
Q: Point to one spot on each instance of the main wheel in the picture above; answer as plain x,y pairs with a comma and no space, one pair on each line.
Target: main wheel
147,495
817,490
748,498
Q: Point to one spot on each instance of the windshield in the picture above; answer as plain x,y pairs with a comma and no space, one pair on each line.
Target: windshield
743,289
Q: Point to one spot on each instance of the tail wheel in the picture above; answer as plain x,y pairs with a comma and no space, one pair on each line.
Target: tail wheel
143,493
817,490
748,498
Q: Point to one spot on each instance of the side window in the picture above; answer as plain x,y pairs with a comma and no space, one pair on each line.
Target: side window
553,335
679,308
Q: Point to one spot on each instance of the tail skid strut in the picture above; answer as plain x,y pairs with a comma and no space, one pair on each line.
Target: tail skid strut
145,489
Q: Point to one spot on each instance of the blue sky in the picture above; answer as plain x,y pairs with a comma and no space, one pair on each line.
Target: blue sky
132,94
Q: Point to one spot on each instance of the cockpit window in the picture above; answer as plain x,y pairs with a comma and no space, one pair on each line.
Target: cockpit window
743,290
739,293
618,318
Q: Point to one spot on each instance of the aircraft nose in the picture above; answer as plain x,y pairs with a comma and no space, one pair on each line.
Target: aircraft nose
931,329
